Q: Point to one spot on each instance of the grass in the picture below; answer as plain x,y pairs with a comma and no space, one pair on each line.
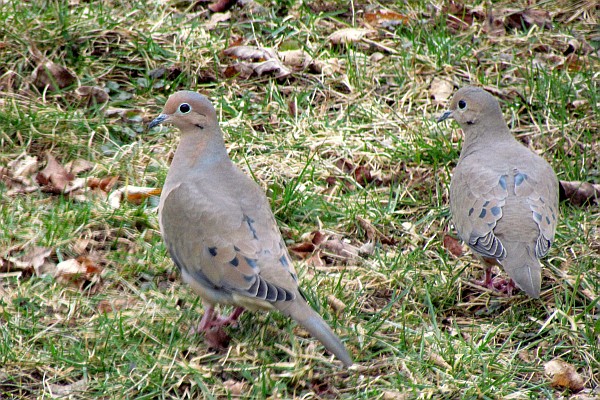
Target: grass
414,322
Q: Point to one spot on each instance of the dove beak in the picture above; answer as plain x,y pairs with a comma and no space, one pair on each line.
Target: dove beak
444,116
158,120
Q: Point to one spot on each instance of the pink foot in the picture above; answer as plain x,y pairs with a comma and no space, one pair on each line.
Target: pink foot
211,320
501,285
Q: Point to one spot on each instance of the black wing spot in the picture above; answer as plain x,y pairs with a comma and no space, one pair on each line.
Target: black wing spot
250,221
519,178
251,262
283,260
235,262
471,211
212,251
502,182
483,212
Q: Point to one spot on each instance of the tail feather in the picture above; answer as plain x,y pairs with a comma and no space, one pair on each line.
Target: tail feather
308,318
524,268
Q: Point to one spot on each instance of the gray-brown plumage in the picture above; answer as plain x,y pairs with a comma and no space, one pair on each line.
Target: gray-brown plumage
503,197
220,231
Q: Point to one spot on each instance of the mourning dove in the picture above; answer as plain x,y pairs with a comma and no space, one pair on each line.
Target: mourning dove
218,226
503,197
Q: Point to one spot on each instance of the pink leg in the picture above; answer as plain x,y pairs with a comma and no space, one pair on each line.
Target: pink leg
231,319
207,319
502,285
210,320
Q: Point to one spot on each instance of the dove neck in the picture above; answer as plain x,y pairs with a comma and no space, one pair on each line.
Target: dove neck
199,149
478,136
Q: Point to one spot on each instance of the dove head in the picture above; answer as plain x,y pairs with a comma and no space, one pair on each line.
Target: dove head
472,107
189,111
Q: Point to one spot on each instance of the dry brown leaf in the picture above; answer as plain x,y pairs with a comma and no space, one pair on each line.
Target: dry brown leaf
51,76
394,395
579,193
297,59
438,360
216,338
386,18
35,261
563,375
460,17
453,246
273,66
79,166
215,20
105,184
91,96
220,6
82,273
54,178
349,35
235,388
251,53
133,194
373,234
441,90
73,390
336,304
525,19
108,306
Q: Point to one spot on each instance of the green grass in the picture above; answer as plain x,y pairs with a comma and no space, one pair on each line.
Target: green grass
415,324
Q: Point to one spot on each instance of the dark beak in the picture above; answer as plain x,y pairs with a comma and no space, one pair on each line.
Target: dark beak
158,120
446,115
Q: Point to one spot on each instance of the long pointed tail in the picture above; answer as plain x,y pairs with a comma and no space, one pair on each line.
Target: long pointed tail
524,268
308,318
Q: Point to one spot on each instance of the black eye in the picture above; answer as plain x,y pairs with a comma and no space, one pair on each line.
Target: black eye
184,108
462,104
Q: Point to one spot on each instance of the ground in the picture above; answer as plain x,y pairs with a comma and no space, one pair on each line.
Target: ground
336,121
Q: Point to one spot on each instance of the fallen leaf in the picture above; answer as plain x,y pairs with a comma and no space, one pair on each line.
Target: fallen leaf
297,59
441,90
349,35
336,304
373,234
79,166
438,360
394,395
579,193
216,338
235,388
273,66
105,184
251,53
525,19
91,96
54,178
386,18
51,76
34,261
108,306
220,6
563,375
215,20
459,16
83,273
133,194
72,390
453,246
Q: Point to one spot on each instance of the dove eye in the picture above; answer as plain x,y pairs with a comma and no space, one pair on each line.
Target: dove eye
462,104
184,108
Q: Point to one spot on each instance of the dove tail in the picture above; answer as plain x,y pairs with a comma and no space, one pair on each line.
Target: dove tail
308,318
524,268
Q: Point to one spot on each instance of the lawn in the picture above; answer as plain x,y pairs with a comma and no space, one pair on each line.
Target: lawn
331,109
